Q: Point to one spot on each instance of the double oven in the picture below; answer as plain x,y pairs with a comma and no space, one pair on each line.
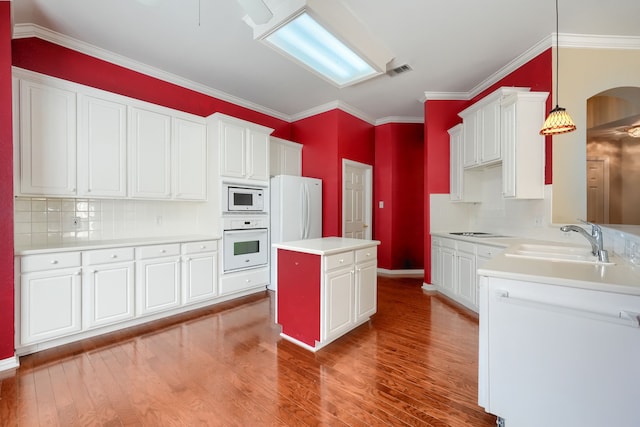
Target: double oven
245,235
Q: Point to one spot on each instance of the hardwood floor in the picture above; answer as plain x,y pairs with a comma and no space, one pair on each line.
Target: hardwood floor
414,363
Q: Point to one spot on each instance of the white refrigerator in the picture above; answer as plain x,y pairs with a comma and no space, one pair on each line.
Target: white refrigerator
296,213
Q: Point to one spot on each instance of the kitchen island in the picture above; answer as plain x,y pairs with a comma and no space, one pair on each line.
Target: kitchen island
326,288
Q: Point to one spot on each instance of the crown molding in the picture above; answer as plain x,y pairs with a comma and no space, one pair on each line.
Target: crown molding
586,41
445,96
333,105
32,30
399,119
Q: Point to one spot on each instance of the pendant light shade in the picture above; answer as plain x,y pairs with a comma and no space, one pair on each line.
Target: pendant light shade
558,120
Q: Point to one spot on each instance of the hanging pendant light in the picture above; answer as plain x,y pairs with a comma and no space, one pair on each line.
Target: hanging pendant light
558,120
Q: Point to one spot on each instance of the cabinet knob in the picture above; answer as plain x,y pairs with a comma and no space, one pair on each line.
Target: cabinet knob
55,261
203,247
114,256
162,251
296,263
248,280
341,261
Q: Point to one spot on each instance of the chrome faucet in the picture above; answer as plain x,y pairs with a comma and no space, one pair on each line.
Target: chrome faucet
595,238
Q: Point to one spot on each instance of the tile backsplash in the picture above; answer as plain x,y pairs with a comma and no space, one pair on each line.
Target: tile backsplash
46,221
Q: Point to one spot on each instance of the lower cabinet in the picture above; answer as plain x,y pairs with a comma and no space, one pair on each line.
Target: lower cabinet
454,265
51,297
158,278
322,297
65,295
108,281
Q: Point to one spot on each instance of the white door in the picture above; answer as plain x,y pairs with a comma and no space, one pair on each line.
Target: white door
597,191
356,200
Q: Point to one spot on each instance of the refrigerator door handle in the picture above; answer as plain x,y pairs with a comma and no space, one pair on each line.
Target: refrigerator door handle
307,221
303,203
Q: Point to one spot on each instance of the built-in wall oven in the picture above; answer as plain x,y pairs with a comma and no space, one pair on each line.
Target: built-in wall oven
245,243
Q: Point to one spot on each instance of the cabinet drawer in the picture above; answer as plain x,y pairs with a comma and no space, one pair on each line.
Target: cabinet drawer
198,247
338,260
237,282
466,247
157,251
106,256
448,243
488,251
49,261
367,254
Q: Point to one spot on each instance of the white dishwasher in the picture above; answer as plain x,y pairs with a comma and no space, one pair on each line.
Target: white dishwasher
558,356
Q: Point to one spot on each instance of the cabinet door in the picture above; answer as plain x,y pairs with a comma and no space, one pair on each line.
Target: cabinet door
109,294
448,269
189,160
50,305
508,135
436,263
150,154
490,141
291,163
472,130
102,145
366,290
200,277
157,285
258,156
467,281
455,170
233,154
339,308
47,140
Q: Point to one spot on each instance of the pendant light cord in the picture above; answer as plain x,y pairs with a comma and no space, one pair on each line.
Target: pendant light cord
557,58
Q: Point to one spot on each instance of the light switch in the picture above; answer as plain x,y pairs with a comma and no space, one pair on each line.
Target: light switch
381,204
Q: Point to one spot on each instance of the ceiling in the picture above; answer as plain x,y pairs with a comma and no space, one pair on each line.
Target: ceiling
452,46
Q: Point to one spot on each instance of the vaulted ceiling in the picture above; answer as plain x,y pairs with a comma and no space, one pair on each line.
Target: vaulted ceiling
451,46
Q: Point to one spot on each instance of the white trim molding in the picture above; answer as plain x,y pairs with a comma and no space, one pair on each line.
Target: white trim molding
401,273
9,363
398,119
429,287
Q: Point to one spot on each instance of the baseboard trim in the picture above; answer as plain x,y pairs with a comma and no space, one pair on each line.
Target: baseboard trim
401,273
429,287
9,363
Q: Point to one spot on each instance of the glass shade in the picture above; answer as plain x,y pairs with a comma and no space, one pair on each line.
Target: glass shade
308,42
558,121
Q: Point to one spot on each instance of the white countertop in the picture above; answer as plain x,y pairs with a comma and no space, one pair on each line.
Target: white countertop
83,245
326,245
621,277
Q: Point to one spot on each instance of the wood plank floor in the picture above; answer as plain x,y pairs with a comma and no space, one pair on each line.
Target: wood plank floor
414,363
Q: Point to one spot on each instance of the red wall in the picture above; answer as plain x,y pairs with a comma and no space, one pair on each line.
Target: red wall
327,139
6,187
442,115
399,183
54,60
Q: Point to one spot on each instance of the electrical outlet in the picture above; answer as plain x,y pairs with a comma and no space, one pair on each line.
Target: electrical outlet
159,220
76,221
537,221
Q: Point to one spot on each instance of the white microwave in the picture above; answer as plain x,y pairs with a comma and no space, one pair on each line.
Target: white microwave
245,199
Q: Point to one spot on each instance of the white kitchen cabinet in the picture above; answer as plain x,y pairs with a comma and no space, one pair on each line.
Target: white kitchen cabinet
243,148
481,123
102,147
285,157
231,283
149,154
574,349
199,271
50,297
157,278
338,294
108,280
464,184
454,268
189,156
523,146
47,140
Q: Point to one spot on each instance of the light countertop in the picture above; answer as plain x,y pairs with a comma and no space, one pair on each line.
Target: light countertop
326,245
83,245
621,277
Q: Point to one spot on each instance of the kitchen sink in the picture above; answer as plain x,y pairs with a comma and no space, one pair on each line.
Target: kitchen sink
557,253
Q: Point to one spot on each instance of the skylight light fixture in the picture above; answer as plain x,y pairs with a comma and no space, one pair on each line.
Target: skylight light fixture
323,37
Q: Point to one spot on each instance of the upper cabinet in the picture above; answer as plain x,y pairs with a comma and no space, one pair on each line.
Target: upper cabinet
500,129
481,122
285,157
79,141
102,147
47,149
523,147
243,148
